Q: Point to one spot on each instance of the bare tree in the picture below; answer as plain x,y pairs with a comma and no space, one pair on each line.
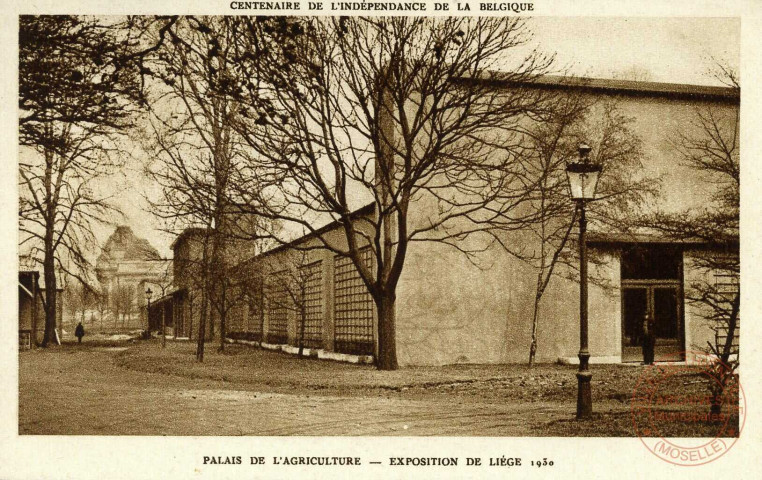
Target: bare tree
198,155
76,96
80,299
710,145
102,304
250,292
123,301
545,240
293,277
389,111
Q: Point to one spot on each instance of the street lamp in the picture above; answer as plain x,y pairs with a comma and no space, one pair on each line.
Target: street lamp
148,309
583,180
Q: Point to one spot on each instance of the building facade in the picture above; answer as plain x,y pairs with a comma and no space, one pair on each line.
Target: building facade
32,310
126,268
450,310
485,314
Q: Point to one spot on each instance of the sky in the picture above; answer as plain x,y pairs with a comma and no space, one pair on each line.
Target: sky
674,49
671,49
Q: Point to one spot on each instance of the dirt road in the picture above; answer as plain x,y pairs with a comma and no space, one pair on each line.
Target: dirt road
138,389
83,393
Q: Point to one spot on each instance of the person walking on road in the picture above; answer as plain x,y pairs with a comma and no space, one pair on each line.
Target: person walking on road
79,332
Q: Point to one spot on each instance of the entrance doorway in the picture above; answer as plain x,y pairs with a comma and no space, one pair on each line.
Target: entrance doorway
652,284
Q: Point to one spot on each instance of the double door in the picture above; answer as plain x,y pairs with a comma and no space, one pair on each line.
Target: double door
662,300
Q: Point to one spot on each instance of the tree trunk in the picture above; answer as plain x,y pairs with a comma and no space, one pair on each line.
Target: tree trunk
223,318
536,317
261,315
211,323
222,332
201,328
716,407
205,271
724,369
533,343
190,314
387,345
303,316
49,272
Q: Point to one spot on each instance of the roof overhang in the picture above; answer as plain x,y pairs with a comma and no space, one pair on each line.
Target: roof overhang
364,211
611,86
621,239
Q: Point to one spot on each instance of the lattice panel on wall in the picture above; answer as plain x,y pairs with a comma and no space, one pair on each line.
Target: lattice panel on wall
254,319
278,302
727,286
353,308
312,275
234,319
179,312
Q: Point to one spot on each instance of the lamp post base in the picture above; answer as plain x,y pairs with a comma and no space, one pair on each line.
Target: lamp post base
584,396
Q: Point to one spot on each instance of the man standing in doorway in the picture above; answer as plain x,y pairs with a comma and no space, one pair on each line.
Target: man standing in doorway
649,339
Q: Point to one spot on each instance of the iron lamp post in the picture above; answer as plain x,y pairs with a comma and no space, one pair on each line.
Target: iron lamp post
148,309
583,179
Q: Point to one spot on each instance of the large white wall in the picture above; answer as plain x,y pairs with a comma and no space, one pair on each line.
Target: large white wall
451,311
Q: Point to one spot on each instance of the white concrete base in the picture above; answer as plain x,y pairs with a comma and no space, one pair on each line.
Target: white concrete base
242,342
593,360
271,346
345,357
701,358
618,360
641,364
308,352
692,359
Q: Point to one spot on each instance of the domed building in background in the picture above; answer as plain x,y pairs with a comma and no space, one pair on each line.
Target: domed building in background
127,267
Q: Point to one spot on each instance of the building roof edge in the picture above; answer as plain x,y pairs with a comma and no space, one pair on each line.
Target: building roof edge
629,87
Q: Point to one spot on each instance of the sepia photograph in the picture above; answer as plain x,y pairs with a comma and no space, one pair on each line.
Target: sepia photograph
322,225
